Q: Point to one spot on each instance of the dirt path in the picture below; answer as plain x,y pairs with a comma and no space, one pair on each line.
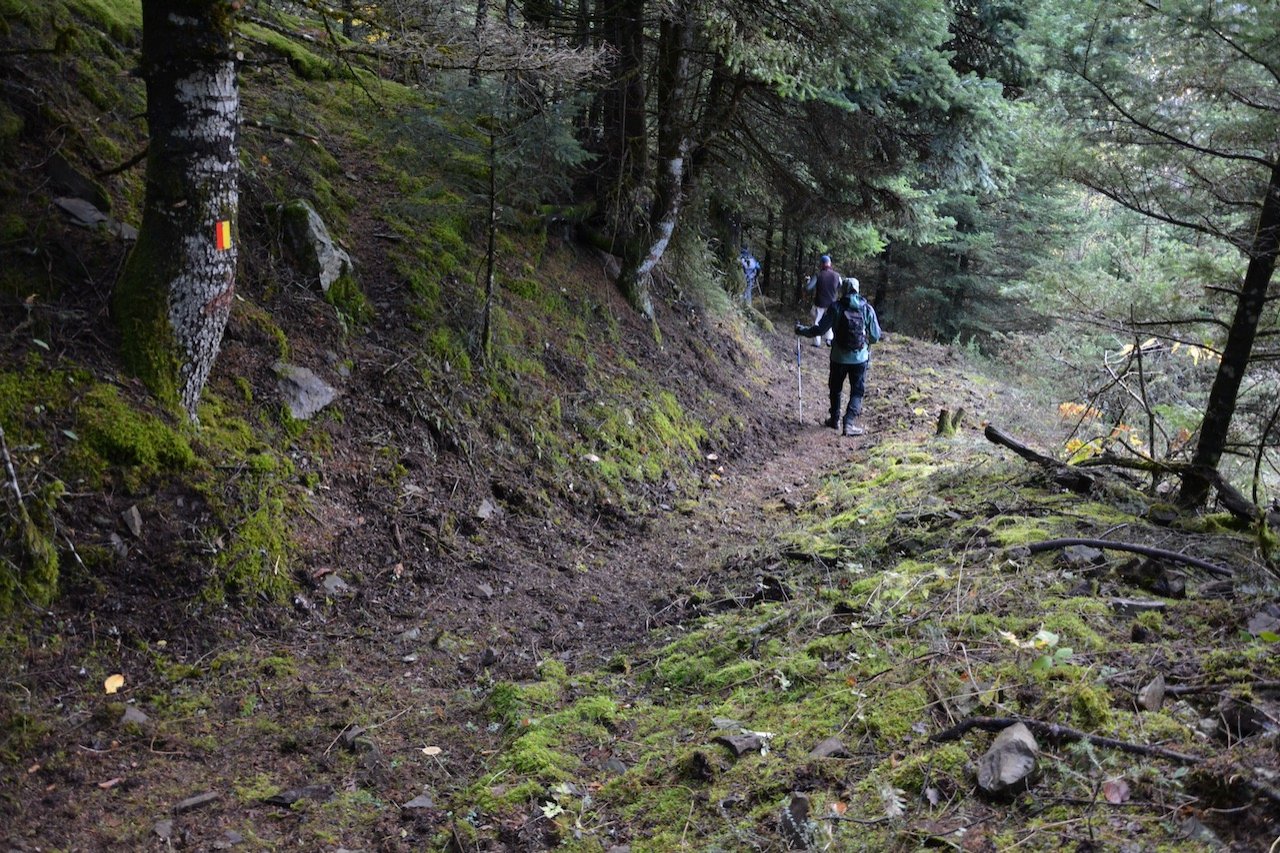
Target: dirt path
713,544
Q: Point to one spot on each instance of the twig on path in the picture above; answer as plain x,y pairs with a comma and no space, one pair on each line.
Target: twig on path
1146,550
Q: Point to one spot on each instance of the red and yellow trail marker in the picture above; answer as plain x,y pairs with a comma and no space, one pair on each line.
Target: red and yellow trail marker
222,235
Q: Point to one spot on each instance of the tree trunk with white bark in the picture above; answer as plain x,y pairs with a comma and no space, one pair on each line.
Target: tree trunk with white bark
175,293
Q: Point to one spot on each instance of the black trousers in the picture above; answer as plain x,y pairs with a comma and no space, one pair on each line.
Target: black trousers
856,374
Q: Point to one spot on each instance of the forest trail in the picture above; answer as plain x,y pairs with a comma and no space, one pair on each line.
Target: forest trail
712,543
344,700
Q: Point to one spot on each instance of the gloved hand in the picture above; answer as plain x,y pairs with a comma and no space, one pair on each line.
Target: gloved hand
800,327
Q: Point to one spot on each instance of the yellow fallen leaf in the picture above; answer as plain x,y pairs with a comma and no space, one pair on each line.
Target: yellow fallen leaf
113,683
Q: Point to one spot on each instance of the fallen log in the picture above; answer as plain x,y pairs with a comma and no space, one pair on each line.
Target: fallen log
1075,479
1064,475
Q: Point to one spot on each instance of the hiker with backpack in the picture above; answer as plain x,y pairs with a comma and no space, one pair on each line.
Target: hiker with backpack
855,327
824,284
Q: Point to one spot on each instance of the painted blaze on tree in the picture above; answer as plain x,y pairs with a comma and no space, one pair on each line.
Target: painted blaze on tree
173,298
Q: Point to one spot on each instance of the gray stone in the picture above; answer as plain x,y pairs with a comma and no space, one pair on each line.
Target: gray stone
422,801
308,240
1010,764
1194,830
740,745
82,212
832,747
487,510
335,585
1151,697
351,737
133,520
1162,514
485,590
199,801
1170,584
164,829
1266,620
303,391
1082,557
133,714
615,766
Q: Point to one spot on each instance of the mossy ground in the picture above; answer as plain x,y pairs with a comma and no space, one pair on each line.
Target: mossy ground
880,651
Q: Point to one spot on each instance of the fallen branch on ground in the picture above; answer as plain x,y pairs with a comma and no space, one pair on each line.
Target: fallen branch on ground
1145,550
1057,732
1231,498
1063,474
1073,478
1053,731
1188,689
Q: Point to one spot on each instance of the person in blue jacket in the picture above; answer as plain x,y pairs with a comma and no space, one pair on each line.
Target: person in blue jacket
850,351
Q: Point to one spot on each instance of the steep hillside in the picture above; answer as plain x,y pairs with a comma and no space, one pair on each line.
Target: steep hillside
584,419
551,600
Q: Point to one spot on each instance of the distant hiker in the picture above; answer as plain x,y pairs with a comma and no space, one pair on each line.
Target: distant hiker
750,269
853,323
824,285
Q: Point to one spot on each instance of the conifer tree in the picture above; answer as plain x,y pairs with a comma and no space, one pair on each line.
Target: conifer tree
1177,102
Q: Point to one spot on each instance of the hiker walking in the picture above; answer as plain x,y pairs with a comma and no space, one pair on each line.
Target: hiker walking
854,326
750,270
824,284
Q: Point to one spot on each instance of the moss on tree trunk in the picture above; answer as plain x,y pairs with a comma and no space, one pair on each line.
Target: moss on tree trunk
175,293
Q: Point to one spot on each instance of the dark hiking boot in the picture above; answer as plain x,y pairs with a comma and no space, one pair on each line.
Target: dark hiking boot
831,422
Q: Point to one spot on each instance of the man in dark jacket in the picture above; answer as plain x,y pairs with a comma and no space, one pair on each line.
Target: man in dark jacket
847,362
824,285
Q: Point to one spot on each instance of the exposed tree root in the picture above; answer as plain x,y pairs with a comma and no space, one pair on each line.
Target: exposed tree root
1147,550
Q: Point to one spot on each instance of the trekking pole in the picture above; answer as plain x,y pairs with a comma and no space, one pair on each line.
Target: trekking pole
799,396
